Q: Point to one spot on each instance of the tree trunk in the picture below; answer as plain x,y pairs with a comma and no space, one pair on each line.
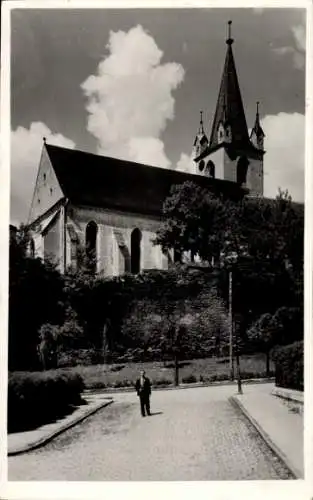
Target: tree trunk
267,363
106,344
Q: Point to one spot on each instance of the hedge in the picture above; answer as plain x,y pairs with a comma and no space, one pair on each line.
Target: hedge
289,366
37,398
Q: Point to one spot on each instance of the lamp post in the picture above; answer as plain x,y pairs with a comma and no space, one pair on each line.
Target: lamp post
230,319
238,366
230,258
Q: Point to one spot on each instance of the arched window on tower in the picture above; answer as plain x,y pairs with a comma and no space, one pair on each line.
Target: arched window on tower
135,243
228,136
242,169
211,169
201,165
32,248
91,245
220,133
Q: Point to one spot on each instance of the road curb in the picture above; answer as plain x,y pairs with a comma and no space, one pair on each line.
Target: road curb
62,428
276,450
288,394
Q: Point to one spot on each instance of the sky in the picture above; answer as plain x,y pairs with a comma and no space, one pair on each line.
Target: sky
130,83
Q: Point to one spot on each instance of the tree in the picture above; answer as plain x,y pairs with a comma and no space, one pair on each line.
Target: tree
281,328
201,222
47,347
266,235
182,317
35,297
195,220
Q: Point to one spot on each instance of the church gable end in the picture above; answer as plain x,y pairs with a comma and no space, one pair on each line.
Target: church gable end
47,191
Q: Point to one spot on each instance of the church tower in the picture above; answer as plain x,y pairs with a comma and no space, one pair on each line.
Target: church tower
231,154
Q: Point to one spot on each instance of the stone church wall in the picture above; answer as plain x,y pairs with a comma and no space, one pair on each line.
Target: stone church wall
255,176
114,239
51,244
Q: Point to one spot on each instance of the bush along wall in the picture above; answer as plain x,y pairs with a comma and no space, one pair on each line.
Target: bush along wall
37,398
289,366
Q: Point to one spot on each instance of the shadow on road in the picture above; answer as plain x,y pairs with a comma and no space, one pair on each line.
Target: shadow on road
152,414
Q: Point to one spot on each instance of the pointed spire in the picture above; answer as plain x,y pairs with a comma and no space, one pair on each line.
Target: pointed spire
229,104
201,129
229,40
257,129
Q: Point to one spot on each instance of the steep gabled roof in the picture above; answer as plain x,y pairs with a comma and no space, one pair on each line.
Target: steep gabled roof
229,108
99,181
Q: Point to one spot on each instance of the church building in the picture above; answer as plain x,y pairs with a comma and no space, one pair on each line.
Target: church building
110,209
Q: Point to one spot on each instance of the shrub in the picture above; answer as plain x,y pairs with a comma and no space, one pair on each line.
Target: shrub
36,398
223,361
190,379
289,366
122,383
75,357
162,382
116,368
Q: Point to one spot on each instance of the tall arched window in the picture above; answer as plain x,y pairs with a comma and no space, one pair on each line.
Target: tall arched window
242,169
135,250
91,244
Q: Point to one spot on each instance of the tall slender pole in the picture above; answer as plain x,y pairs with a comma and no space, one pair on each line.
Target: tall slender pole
238,372
230,313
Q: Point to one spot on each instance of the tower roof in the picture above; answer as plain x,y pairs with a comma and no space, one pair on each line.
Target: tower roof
257,129
229,108
201,137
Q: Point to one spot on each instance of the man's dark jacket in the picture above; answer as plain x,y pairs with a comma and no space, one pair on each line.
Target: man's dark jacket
145,390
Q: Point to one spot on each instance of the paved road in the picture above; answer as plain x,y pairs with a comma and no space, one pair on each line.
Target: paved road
194,434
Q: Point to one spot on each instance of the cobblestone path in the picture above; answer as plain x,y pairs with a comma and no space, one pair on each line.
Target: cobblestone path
193,434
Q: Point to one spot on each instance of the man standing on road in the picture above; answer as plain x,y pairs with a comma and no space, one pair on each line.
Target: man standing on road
143,388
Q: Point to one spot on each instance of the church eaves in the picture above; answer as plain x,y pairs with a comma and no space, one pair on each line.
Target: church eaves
229,109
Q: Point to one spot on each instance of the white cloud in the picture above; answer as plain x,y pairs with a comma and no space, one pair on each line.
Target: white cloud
186,164
129,100
298,51
148,150
26,145
284,158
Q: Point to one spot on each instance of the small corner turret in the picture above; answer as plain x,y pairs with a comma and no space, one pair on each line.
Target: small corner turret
257,133
201,141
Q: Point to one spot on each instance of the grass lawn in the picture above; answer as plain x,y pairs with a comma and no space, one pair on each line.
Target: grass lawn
211,369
